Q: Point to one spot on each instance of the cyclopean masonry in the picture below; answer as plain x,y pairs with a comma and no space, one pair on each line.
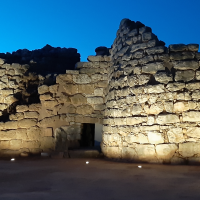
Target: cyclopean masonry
145,94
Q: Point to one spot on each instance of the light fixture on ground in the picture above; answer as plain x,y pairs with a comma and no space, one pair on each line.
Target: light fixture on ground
87,162
12,159
139,166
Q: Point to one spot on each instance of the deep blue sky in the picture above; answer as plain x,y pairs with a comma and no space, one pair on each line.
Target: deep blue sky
87,24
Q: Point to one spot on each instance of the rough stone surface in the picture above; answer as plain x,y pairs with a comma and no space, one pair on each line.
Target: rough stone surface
145,94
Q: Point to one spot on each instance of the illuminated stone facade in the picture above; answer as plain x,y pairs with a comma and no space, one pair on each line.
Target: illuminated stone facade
152,108
145,94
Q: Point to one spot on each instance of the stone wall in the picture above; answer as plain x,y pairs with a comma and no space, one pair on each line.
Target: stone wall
152,107
55,123
147,97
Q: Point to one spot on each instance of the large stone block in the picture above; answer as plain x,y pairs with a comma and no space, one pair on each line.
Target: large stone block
196,95
193,86
4,144
189,149
185,65
7,135
168,105
10,99
63,79
119,121
156,108
2,72
155,137
30,144
132,80
178,47
44,97
113,152
15,144
146,59
136,47
22,108
72,71
163,77
182,56
78,99
95,100
98,58
26,123
135,120
6,92
21,134
181,106
191,116
167,119
148,36
175,135
193,47
90,71
166,151
152,68
2,61
53,89
35,107
49,121
99,92
31,115
34,133
84,109
155,50
70,109
136,109
70,88
129,154
81,79
3,106
146,152
137,138
50,104
143,79
83,64
154,88
86,88
10,125
122,51
102,84
185,76
43,89
193,132
175,86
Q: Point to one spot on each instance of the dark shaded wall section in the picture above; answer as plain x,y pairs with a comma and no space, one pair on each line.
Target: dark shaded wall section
48,60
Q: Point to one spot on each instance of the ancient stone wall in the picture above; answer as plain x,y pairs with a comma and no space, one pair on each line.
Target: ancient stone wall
55,123
152,107
147,97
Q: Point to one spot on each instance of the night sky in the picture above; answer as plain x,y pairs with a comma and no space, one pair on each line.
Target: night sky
87,24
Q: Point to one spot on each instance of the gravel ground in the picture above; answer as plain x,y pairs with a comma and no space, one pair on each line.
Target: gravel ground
46,178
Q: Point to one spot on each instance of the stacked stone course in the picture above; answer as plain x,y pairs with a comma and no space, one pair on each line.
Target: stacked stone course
55,123
147,97
152,108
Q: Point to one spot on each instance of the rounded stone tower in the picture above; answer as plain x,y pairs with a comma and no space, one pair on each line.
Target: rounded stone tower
152,101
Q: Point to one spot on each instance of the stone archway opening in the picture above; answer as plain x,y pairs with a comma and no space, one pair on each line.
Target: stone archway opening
87,135
91,135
